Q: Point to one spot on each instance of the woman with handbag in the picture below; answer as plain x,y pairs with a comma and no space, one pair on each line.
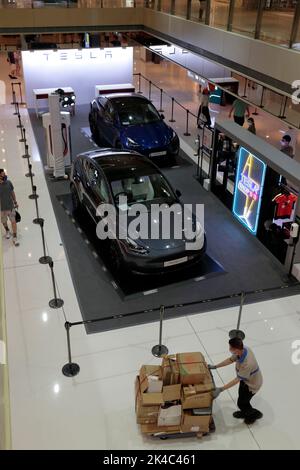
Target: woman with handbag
8,204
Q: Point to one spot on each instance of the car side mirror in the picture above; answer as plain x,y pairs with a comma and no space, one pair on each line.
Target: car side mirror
162,116
178,193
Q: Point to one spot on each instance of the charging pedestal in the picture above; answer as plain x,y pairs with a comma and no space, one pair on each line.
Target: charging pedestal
57,127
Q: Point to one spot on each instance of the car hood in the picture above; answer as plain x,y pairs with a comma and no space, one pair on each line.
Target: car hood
156,134
155,220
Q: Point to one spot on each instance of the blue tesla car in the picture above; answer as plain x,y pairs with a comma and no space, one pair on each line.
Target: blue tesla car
130,121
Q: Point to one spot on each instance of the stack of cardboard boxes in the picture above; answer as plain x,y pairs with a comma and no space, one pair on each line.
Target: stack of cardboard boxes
176,396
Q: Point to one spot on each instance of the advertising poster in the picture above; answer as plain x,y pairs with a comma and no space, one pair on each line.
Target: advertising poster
248,190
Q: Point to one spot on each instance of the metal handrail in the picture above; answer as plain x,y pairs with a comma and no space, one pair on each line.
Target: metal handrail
167,94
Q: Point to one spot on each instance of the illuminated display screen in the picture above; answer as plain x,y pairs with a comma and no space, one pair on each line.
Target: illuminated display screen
248,189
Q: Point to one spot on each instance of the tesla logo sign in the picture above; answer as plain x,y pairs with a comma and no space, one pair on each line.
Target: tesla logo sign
79,55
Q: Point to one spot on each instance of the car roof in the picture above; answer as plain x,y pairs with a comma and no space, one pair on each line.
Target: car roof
115,162
118,96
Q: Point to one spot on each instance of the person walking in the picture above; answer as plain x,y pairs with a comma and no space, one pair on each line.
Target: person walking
251,125
8,203
248,376
12,63
239,108
203,116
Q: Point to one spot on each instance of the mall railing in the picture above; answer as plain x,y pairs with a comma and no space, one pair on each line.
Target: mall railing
171,103
273,21
279,105
5,430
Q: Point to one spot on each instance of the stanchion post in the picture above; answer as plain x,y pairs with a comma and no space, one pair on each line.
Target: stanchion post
71,368
160,101
237,333
150,85
255,112
20,125
38,220
160,350
23,135
21,96
244,95
29,174
26,154
139,90
55,302
34,195
13,94
187,123
17,110
172,111
44,259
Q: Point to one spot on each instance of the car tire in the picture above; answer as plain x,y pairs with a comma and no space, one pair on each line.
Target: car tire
77,207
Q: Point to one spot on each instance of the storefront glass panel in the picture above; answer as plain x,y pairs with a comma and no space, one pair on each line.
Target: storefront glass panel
277,21
219,10
245,16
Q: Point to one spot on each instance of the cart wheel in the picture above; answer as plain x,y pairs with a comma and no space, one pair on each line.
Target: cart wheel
163,438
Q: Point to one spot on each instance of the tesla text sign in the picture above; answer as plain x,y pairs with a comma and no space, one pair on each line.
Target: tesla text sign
249,183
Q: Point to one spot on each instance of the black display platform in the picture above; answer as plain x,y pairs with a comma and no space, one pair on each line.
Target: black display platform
131,284
248,264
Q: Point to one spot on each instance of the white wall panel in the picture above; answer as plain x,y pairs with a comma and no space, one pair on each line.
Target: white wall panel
79,69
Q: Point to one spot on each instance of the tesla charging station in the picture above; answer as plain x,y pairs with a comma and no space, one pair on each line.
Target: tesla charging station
57,126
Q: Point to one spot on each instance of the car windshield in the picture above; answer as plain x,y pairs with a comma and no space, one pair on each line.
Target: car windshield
143,189
133,111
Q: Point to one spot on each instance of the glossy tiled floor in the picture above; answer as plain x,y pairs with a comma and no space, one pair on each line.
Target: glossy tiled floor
95,410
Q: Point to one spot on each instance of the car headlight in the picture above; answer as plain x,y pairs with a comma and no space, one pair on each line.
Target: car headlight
133,246
131,142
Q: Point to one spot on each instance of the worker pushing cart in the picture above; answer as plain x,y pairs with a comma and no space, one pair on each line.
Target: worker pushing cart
248,376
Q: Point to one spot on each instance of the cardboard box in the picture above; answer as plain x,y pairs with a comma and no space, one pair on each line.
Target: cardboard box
175,373
172,392
201,400
170,370
192,368
146,411
148,399
191,423
152,420
154,429
196,389
166,371
154,384
147,371
169,416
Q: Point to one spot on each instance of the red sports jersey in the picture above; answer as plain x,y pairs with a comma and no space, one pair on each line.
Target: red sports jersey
284,205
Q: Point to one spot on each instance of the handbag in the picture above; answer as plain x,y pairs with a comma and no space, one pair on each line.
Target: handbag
17,216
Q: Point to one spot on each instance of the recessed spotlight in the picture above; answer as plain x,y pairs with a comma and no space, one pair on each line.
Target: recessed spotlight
56,388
